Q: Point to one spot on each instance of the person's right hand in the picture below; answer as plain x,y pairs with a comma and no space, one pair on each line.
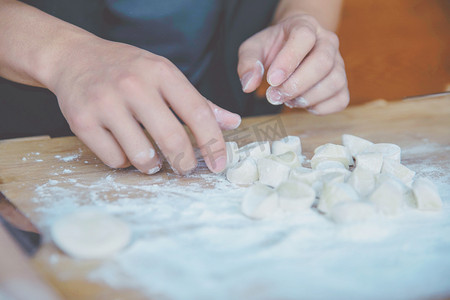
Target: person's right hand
107,89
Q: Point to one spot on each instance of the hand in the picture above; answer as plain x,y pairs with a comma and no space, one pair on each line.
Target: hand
305,68
107,90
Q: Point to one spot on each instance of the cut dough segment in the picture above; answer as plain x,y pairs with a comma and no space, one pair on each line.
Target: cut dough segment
389,151
271,171
307,176
256,150
355,144
333,194
329,152
398,170
426,194
329,164
259,202
90,234
289,159
352,212
371,161
289,143
389,196
244,172
362,180
232,153
295,196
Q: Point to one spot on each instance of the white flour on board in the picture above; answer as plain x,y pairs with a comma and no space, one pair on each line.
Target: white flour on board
192,242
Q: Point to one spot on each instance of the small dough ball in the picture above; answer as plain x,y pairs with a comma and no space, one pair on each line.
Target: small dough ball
244,172
90,234
289,159
362,180
329,152
355,144
389,151
398,170
295,196
389,196
289,143
426,194
259,202
352,212
371,161
232,153
256,150
333,194
271,171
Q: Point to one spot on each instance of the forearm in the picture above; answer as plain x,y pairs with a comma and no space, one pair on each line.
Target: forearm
327,12
33,43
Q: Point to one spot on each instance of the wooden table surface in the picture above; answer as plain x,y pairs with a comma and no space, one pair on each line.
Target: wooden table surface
26,164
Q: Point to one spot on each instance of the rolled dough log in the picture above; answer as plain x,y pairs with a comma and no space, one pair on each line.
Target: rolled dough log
426,194
90,234
244,172
355,144
295,196
259,202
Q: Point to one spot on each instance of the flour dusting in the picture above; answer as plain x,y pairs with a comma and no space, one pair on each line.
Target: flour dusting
191,241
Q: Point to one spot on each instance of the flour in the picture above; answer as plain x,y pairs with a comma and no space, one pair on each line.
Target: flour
192,241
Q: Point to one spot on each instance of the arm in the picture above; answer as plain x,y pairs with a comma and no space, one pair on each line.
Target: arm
300,52
106,90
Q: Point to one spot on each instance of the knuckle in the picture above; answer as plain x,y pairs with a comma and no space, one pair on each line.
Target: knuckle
325,61
201,114
342,101
174,143
333,38
163,67
127,81
81,122
338,81
304,33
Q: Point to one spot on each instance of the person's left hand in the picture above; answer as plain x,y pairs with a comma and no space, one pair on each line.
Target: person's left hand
303,63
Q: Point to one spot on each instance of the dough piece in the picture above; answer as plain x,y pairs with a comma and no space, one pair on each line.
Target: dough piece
295,196
389,151
333,194
398,170
244,172
259,202
389,196
330,152
289,159
362,180
289,143
271,171
90,233
371,161
307,176
330,164
256,150
426,194
355,144
352,212
232,153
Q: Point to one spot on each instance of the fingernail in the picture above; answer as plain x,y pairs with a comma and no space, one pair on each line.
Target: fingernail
246,79
314,112
155,169
274,96
219,164
276,77
298,102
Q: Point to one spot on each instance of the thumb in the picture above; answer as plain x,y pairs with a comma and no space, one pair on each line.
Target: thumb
226,119
250,64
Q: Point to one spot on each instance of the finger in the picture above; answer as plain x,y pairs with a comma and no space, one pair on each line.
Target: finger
194,110
334,104
315,67
329,86
133,141
250,64
226,119
300,41
103,144
166,130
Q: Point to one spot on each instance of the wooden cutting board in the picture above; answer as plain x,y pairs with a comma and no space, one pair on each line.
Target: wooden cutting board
27,163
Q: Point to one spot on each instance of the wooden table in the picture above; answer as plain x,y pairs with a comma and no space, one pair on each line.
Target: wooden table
26,163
